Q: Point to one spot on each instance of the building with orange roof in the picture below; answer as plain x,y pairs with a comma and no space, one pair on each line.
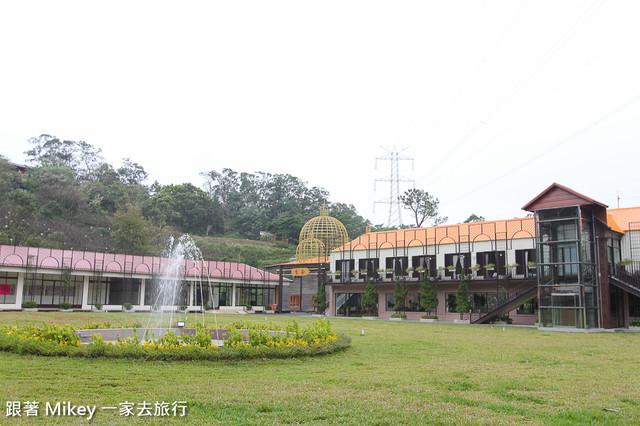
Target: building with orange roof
569,263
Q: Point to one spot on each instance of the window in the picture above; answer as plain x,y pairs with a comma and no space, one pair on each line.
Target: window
495,258
523,257
426,262
8,284
295,301
411,303
370,265
634,306
345,267
450,302
398,265
459,260
348,304
528,308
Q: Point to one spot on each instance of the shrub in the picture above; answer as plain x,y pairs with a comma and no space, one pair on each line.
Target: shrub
98,306
429,317
127,306
397,315
29,305
634,323
56,340
65,305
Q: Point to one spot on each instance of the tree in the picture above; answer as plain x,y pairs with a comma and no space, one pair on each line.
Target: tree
82,157
428,295
474,218
131,231
186,207
423,205
400,293
355,224
463,305
132,173
369,298
320,299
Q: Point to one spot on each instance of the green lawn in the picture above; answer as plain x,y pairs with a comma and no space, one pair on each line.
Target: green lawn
397,373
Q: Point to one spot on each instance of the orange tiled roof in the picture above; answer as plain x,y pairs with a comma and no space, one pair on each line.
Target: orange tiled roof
448,234
624,219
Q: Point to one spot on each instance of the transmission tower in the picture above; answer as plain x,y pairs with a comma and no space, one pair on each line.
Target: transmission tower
394,179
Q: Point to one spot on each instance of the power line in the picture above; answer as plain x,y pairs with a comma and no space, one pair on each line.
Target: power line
578,23
564,141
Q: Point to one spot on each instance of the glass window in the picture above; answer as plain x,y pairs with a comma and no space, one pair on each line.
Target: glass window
8,286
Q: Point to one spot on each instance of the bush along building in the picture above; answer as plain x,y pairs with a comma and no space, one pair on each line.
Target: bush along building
570,264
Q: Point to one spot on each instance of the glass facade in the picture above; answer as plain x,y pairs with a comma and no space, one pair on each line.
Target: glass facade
567,282
51,290
348,304
411,303
8,286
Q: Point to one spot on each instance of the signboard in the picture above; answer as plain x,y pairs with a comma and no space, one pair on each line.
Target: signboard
300,272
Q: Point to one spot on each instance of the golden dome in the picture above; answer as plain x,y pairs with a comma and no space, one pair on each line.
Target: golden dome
320,235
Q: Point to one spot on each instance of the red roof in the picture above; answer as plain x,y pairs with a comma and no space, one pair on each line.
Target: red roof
43,258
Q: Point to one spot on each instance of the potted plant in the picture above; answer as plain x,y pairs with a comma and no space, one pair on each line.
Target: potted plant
98,307
30,306
127,306
489,266
634,325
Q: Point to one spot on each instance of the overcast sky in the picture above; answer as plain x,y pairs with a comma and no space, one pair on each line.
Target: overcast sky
493,100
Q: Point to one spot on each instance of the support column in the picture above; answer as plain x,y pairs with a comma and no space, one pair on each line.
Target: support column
143,286
85,294
19,290
233,294
190,304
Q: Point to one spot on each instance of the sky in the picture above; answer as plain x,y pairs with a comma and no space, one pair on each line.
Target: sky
487,103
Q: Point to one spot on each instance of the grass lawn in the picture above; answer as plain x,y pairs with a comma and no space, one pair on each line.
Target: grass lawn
397,373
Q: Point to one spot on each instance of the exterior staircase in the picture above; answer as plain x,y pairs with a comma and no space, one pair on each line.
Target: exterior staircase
508,305
629,282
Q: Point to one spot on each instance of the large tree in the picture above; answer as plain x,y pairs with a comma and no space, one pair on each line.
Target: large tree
463,304
187,207
400,293
428,295
474,218
82,157
369,298
423,205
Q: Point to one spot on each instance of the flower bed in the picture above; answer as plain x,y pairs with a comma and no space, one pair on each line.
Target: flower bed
252,341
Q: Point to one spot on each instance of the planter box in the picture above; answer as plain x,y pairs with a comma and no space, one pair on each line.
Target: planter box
370,318
634,329
428,319
30,309
397,319
461,321
65,310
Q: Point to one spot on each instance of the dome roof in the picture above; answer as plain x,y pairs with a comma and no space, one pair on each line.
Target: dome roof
320,235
